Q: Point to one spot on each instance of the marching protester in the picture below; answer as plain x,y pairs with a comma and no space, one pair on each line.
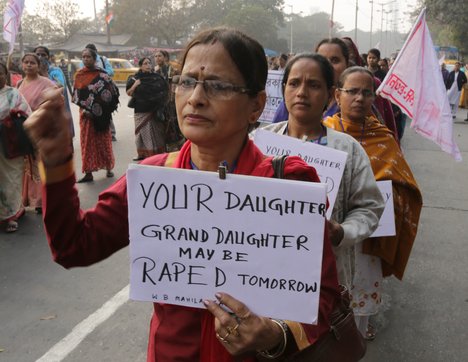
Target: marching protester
383,256
65,67
219,97
337,53
96,107
31,87
373,59
149,92
172,136
308,84
103,63
11,169
56,75
455,82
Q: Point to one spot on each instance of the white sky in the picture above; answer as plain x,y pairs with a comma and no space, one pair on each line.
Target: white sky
344,12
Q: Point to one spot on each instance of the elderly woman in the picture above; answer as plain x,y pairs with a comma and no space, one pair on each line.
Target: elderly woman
11,169
388,255
219,96
307,87
97,96
149,92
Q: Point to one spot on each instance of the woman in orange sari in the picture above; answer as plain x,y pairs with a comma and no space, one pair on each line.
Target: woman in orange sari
97,96
388,255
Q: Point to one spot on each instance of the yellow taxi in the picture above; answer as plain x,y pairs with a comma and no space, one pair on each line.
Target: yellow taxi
122,69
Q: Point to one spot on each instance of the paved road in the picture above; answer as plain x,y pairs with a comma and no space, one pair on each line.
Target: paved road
425,316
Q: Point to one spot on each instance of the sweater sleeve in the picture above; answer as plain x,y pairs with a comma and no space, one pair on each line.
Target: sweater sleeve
365,203
83,237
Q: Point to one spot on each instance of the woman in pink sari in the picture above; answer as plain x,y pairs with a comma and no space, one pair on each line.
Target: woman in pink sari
31,87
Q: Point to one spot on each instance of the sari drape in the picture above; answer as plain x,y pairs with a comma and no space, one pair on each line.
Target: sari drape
388,163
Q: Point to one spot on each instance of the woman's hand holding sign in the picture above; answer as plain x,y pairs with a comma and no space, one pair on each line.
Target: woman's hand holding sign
243,331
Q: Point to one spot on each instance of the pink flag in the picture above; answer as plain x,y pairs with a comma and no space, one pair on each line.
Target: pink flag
415,84
11,21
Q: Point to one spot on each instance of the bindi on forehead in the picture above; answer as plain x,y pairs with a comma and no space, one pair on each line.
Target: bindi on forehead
202,68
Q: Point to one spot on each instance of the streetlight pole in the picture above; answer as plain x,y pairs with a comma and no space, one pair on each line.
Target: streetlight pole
330,33
381,18
291,33
107,23
355,23
371,21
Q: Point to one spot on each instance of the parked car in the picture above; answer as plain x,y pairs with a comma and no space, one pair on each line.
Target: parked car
122,69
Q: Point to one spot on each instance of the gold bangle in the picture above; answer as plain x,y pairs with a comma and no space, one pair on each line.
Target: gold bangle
282,346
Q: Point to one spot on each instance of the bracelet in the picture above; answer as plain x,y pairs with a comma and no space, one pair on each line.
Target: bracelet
282,346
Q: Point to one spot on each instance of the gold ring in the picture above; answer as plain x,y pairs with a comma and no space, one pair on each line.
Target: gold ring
233,330
223,339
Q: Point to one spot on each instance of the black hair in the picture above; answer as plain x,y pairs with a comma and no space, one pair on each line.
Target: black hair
92,52
4,67
32,55
46,50
325,68
141,61
356,69
246,53
337,41
91,46
283,56
384,60
374,51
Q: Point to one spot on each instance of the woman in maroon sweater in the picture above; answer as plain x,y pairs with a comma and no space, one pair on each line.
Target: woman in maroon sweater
219,96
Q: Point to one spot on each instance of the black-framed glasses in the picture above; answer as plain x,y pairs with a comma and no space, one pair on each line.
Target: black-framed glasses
366,93
214,89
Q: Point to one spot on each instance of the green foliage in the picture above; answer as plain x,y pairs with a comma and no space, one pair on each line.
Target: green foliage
171,23
53,21
447,20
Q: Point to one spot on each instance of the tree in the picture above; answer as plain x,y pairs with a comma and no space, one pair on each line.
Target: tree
160,22
170,23
447,19
53,21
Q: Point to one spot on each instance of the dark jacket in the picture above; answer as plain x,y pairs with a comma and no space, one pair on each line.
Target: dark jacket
461,79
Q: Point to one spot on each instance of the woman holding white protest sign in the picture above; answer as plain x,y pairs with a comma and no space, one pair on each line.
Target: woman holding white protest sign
219,96
388,255
308,85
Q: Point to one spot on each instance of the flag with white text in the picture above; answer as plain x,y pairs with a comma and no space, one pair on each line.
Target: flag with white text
12,21
415,84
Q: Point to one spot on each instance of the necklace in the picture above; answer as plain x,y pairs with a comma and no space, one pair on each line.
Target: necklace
320,140
224,163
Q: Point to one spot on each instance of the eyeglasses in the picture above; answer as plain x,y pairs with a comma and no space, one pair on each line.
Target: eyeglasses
214,89
366,93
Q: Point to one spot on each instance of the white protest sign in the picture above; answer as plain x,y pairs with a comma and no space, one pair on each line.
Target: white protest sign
328,162
258,239
387,220
274,95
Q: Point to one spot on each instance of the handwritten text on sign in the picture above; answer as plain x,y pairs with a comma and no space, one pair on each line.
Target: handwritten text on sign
274,95
258,239
328,162
387,220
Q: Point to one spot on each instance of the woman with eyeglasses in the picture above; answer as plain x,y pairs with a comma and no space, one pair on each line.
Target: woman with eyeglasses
337,53
384,256
219,96
31,87
149,92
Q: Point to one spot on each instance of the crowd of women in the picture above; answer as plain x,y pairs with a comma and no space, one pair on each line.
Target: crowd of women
219,96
